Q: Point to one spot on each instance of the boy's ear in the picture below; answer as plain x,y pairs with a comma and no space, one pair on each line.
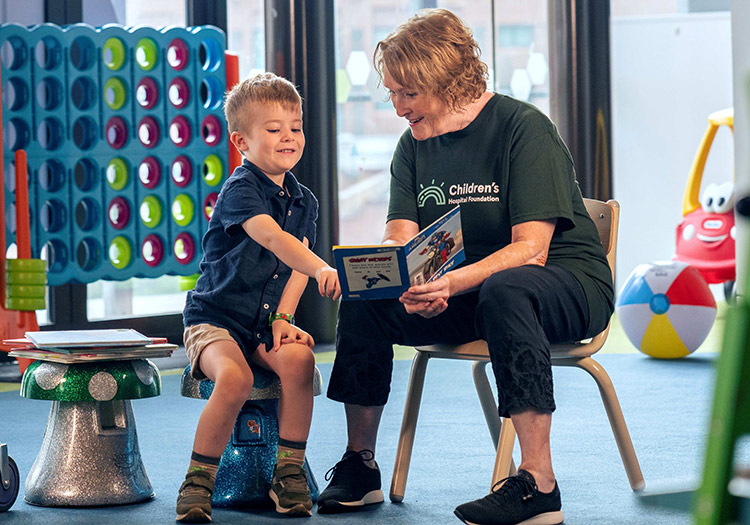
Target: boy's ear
239,141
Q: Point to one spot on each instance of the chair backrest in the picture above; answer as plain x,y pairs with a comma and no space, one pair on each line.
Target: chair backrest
606,217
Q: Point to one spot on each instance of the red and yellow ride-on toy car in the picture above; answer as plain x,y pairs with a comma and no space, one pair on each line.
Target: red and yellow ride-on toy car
705,237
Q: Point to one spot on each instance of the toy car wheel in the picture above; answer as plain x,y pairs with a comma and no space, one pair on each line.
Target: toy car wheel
8,495
730,291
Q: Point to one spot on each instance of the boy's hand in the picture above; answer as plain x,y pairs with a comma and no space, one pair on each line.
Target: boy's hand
285,333
328,282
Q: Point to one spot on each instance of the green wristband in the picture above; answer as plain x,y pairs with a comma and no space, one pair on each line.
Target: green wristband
289,318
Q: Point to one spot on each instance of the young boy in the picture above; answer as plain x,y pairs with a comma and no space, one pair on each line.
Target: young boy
255,266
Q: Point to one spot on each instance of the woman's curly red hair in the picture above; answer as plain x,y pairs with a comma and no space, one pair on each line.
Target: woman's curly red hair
434,52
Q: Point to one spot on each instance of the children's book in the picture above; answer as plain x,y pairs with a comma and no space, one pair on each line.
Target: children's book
386,271
117,337
112,354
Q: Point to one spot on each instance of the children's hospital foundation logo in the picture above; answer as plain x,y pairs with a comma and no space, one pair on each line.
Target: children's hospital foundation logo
458,193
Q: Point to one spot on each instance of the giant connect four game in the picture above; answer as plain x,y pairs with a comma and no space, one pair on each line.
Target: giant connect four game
126,142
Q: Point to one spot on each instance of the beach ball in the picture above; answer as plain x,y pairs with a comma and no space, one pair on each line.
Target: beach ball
666,309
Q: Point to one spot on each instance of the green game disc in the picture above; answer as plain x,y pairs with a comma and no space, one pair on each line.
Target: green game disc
25,303
115,93
182,210
25,265
146,53
117,173
24,290
120,252
113,53
212,170
150,211
187,282
15,277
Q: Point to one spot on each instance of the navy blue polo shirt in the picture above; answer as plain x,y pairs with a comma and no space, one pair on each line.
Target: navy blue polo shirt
241,282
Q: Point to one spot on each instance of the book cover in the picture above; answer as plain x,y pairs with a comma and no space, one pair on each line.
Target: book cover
386,271
88,338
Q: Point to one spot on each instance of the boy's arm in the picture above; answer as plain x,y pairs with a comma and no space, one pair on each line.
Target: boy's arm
283,332
292,292
267,232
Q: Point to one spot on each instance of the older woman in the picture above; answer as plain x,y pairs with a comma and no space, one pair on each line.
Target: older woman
535,272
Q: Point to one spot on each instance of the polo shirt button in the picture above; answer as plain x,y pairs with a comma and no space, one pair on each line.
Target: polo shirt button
276,276
265,306
257,335
290,213
281,193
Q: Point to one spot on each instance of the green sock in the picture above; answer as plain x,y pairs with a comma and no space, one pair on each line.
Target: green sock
290,452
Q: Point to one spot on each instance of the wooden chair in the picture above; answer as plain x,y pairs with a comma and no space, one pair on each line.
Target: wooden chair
606,217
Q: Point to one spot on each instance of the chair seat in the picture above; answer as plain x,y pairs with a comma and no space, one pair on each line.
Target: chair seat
473,351
477,350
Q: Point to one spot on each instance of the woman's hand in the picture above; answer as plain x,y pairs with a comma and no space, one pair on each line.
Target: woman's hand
427,300
285,333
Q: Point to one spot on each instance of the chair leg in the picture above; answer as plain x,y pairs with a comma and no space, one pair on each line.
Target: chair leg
408,426
503,433
616,419
504,465
487,400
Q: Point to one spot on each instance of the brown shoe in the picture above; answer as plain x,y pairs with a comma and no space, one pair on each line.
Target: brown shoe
290,492
194,500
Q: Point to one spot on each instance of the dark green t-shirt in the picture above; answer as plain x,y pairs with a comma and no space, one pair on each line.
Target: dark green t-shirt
507,167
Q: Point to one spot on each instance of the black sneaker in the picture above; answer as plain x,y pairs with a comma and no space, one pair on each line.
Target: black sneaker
517,501
353,484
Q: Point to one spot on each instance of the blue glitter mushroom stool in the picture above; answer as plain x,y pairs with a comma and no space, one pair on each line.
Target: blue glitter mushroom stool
246,468
89,455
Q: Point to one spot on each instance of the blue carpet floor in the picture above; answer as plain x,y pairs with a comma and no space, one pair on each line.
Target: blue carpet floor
666,405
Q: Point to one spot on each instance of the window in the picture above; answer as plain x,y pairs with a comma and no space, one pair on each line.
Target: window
246,34
153,13
515,35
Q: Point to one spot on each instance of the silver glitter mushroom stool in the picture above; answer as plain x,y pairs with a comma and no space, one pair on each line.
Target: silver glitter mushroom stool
246,467
89,455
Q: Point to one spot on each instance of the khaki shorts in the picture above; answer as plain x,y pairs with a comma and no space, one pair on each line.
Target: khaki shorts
196,338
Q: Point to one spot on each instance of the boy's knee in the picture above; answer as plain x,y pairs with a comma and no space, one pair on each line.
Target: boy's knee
299,364
234,384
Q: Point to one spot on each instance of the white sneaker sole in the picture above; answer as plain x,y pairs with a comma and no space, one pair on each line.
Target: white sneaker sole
548,518
374,496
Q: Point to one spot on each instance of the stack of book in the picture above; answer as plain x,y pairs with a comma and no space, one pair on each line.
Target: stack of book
79,346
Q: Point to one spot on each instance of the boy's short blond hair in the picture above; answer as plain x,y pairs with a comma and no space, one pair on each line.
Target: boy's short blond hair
434,52
264,88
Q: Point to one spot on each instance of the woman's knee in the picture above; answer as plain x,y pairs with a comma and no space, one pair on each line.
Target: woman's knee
502,293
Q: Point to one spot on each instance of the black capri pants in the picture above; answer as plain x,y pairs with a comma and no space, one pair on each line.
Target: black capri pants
519,312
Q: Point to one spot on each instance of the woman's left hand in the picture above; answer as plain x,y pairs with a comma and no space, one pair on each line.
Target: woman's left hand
427,300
